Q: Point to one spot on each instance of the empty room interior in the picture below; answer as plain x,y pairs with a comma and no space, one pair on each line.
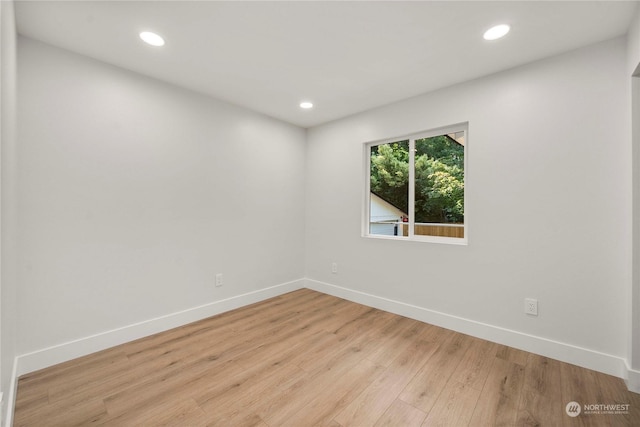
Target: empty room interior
332,213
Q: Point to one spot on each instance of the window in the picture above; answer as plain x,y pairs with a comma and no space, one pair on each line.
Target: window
415,186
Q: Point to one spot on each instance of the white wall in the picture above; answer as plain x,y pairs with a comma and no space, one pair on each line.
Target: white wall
133,194
633,43
8,284
633,69
548,211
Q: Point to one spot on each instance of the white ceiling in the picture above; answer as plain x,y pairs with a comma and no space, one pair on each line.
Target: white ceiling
345,57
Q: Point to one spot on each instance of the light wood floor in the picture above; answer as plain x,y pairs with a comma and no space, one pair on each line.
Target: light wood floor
306,359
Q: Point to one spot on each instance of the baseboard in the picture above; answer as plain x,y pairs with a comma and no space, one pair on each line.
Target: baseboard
70,350
586,358
633,380
11,398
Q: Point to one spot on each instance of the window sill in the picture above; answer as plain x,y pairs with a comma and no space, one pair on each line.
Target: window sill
422,239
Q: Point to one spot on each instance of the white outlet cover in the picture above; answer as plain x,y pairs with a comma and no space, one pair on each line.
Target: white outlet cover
531,306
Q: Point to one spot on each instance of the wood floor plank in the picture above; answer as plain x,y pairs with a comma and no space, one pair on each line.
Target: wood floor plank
80,414
276,364
612,390
319,380
343,313
330,401
395,338
454,406
166,412
89,378
30,398
198,378
233,406
69,370
349,351
285,395
315,354
248,420
581,387
401,414
425,388
353,346
539,401
634,410
475,364
299,389
282,353
369,406
279,344
307,358
512,354
498,404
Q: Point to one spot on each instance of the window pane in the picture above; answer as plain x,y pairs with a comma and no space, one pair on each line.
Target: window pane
439,186
389,183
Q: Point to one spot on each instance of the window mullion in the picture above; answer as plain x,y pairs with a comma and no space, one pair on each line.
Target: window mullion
367,195
412,187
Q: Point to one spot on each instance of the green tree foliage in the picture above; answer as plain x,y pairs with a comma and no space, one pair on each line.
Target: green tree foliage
390,173
439,175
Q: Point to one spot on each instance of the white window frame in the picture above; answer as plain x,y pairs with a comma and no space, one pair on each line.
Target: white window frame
460,127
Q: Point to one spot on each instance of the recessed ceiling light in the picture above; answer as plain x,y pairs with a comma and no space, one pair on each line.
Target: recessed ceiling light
152,38
496,32
306,105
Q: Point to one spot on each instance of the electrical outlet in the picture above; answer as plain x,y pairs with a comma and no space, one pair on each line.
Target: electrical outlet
218,280
334,267
531,306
